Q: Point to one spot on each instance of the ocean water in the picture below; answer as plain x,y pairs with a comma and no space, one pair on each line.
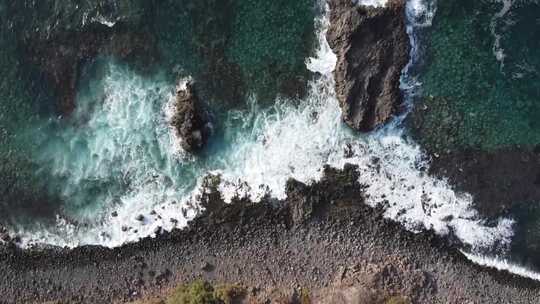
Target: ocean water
480,93
482,74
117,157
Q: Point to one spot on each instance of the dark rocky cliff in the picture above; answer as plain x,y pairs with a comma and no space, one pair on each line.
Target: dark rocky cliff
372,48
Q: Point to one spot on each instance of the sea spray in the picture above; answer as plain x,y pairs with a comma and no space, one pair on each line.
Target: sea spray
263,149
501,263
300,141
115,154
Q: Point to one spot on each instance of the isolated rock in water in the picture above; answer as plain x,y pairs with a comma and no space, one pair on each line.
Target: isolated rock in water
191,120
372,48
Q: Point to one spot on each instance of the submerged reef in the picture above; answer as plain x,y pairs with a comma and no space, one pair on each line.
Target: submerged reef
60,37
372,48
238,48
235,47
477,114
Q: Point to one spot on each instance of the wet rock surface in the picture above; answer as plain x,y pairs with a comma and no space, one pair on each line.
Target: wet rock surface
340,248
372,48
191,120
62,58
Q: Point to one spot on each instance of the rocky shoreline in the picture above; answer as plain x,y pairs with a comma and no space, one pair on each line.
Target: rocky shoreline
322,238
322,241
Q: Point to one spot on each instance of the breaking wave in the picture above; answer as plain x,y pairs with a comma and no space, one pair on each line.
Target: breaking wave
120,140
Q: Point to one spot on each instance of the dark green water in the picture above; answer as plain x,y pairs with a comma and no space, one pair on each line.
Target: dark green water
239,47
481,91
475,99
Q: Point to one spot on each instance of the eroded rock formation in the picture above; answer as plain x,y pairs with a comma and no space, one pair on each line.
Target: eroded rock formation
191,120
372,48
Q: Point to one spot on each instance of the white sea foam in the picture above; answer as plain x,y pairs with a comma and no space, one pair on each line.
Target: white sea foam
502,264
101,19
375,3
129,135
121,142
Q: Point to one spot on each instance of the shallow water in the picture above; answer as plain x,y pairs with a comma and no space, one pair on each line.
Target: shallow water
482,75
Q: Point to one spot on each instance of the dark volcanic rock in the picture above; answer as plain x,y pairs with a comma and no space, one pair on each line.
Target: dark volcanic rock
59,37
372,48
341,244
4,235
191,120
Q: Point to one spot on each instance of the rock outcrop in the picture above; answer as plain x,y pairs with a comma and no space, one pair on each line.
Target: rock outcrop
62,59
191,120
372,48
4,235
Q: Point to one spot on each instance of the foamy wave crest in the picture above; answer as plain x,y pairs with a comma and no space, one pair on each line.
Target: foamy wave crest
498,50
502,264
297,142
128,137
420,14
115,161
375,3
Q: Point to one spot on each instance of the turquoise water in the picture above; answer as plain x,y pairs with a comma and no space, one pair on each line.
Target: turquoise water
480,89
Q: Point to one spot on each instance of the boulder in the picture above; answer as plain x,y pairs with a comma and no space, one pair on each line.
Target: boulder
372,48
191,120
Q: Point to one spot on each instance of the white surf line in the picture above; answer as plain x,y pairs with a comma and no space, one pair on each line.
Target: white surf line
420,14
501,264
290,142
